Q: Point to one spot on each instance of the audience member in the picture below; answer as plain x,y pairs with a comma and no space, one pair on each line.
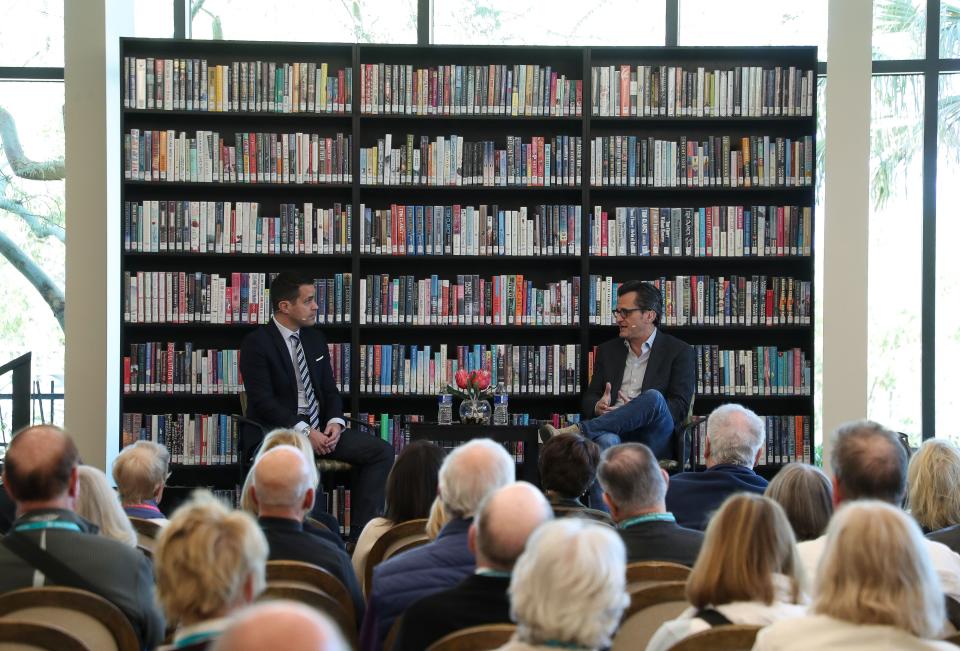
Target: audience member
42,477
735,437
497,537
283,625
747,572
436,520
410,490
568,467
869,463
875,587
805,495
98,504
210,561
283,492
8,510
634,486
467,476
568,588
933,479
140,472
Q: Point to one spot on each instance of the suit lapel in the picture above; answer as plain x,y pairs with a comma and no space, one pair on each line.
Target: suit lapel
285,361
307,341
619,363
654,362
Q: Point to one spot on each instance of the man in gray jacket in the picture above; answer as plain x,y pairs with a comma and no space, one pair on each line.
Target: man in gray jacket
49,544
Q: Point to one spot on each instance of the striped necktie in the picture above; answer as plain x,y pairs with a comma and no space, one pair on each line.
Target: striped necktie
313,409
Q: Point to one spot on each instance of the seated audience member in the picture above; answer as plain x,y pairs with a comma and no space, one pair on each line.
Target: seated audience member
735,437
410,490
98,503
568,588
634,486
42,476
875,587
140,471
283,492
805,495
747,572
497,537
331,529
436,520
568,467
283,625
869,463
933,479
468,474
210,561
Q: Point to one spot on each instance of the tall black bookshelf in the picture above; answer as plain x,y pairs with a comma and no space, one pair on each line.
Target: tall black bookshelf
365,127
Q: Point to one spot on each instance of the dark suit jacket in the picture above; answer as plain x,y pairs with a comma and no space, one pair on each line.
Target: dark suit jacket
949,536
671,370
120,574
661,541
693,496
289,542
475,601
271,384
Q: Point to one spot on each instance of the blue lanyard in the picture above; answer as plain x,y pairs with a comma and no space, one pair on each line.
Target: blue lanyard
649,517
52,524
496,574
557,644
193,639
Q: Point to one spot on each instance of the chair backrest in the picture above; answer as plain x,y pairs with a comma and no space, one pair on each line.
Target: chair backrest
650,607
316,524
314,577
29,636
315,599
89,617
397,536
732,637
644,573
475,638
147,532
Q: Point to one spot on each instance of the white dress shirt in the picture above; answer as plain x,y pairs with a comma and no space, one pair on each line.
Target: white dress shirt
823,632
635,369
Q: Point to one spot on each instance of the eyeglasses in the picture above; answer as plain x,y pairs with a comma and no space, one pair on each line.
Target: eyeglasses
624,312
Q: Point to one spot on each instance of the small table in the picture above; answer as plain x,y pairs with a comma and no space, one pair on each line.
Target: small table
525,441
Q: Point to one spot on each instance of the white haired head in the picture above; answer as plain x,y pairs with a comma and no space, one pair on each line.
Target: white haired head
281,478
470,473
734,436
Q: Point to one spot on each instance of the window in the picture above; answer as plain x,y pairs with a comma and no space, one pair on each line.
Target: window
31,32
899,29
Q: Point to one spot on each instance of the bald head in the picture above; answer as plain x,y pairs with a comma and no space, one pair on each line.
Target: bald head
868,462
281,480
41,467
281,625
504,523
470,473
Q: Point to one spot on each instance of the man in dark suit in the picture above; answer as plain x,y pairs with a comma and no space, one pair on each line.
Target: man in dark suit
283,492
41,476
289,383
634,486
497,538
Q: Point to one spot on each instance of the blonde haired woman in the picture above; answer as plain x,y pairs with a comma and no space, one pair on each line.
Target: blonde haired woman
932,480
875,586
747,572
98,503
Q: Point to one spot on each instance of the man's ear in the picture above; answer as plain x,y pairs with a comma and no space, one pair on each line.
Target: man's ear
666,477
706,447
472,539
308,499
73,488
837,492
756,459
614,511
253,497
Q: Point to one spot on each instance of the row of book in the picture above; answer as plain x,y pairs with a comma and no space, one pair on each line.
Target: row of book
191,439
788,439
390,369
469,299
338,505
760,161
171,368
756,300
470,230
707,231
258,86
453,161
235,227
661,90
494,89
252,157
759,371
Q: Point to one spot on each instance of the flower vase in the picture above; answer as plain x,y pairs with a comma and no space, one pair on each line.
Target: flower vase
475,412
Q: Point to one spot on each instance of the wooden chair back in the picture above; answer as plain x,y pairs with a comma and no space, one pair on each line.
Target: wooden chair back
644,573
396,537
315,577
29,636
732,637
90,618
475,638
650,607
147,532
315,599
953,639
392,634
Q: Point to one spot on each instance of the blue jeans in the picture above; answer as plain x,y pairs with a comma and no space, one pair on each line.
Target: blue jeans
645,419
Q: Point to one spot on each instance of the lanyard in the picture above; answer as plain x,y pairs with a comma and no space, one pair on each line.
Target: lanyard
196,637
147,506
496,574
649,517
52,524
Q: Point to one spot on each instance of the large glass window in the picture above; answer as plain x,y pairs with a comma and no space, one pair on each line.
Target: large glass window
899,29
950,29
31,33
153,18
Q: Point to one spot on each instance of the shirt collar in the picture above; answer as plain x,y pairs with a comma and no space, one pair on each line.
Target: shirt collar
205,630
63,515
647,345
284,524
647,517
285,332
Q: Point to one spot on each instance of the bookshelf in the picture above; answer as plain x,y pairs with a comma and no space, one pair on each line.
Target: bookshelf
597,205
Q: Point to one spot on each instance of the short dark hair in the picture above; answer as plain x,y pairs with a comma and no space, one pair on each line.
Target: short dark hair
630,475
568,464
412,482
39,482
869,462
286,287
648,296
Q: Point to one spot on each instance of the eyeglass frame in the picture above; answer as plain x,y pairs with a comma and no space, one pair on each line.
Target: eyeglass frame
619,312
